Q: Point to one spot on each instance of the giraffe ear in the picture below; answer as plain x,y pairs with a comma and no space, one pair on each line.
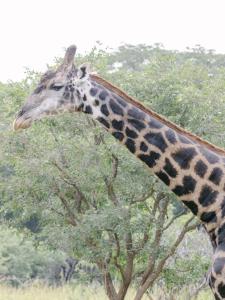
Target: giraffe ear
83,71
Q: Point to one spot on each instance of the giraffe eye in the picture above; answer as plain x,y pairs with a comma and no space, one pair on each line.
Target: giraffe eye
56,86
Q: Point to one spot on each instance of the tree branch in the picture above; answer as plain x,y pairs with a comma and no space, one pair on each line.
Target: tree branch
67,179
72,218
61,152
110,181
158,234
116,256
128,268
108,283
154,275
179,239
172,220
143,197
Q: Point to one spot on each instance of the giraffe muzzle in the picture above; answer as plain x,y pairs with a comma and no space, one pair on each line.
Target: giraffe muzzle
22,123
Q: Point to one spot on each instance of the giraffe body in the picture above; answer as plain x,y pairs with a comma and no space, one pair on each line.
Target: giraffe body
191,168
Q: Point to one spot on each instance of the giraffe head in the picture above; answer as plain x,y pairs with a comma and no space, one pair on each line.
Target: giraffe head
58,91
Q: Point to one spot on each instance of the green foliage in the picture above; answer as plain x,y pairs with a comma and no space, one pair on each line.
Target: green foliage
71,159
20,261
185,271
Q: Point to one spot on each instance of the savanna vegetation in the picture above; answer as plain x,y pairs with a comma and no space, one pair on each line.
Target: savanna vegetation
72,197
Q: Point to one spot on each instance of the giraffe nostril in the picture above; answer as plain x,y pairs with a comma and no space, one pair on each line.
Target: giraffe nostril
20,113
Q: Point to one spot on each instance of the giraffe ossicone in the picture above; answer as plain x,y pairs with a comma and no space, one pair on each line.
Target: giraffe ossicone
191,167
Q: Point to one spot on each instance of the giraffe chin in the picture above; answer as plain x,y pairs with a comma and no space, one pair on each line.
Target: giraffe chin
21,123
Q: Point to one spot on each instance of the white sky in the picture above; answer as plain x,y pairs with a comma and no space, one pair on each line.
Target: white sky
33,32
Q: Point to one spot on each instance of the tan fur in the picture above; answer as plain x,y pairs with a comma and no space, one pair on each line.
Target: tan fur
150,112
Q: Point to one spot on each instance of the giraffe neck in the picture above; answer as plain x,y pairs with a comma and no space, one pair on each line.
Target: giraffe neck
195,173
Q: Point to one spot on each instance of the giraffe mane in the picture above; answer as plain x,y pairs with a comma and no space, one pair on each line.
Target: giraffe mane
150,112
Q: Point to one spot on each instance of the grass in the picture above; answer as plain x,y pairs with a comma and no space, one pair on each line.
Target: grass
78,292
42,292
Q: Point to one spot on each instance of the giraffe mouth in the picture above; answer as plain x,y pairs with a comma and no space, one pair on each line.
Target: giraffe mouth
22,123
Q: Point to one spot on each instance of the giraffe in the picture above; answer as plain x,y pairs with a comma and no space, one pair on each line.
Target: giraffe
192,168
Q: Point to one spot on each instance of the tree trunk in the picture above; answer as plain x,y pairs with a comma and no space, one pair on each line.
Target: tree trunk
110,290
140,293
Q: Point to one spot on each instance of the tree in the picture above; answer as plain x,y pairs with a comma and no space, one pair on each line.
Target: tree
21,261
89,197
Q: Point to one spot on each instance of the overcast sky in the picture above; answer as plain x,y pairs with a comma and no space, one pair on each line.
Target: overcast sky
33,32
